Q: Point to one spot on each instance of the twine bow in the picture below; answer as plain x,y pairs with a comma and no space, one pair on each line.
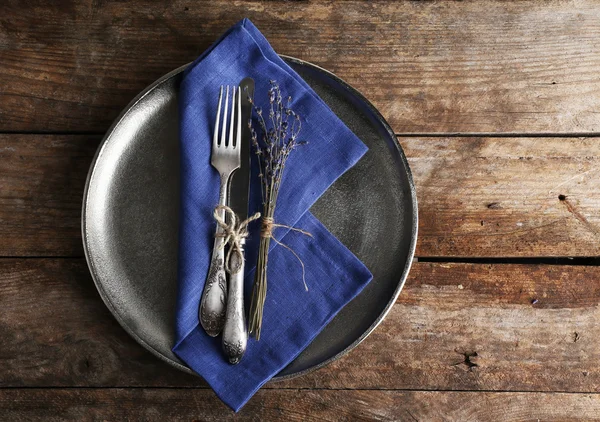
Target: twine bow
234,234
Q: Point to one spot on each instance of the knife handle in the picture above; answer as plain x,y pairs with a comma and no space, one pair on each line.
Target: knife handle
214,295
235,333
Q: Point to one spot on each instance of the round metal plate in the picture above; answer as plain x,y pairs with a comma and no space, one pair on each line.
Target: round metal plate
130,218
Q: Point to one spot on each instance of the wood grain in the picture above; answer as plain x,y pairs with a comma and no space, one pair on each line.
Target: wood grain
57,331
478,197
477,66
42,179
455,327
295,405
506,197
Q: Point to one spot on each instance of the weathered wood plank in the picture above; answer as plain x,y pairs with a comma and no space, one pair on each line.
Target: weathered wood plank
478,197
481,327
42,179
295,405
455,327
437,66
56,330
506,197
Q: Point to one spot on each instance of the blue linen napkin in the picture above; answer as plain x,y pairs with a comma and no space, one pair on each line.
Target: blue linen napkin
292,317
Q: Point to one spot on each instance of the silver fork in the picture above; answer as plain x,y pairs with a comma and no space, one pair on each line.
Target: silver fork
225,157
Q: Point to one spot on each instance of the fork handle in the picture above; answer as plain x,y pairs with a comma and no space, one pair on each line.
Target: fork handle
235,333
214,296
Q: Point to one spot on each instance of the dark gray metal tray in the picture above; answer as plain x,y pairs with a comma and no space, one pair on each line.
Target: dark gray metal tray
130,218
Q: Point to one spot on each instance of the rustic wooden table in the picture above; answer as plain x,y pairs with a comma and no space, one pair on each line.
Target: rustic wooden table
497,108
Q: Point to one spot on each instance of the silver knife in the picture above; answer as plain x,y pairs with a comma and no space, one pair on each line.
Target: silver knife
235,333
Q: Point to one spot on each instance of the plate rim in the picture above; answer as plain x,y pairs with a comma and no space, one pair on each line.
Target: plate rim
411,250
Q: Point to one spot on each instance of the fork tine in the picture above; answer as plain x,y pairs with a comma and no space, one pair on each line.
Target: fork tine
225,111
238,137
216,132
233,117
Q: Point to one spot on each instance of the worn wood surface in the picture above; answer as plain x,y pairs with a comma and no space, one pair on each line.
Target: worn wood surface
506,197
478,66
42,179
478,197
296,405
455,327
486,330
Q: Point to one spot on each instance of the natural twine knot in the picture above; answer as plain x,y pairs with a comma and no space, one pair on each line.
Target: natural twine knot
267,227
266,232
268,224
234,233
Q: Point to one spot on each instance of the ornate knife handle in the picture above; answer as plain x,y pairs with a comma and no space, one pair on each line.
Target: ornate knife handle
235,333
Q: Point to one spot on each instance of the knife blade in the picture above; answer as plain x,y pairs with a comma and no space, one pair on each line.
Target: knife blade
239,182
235,332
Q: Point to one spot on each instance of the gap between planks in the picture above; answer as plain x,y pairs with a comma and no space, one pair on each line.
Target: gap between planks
399,134
270,388
576,261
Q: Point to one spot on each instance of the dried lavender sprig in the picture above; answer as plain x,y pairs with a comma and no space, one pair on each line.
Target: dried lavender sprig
273,149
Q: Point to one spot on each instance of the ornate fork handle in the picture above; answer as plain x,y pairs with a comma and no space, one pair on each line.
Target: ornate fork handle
214,297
